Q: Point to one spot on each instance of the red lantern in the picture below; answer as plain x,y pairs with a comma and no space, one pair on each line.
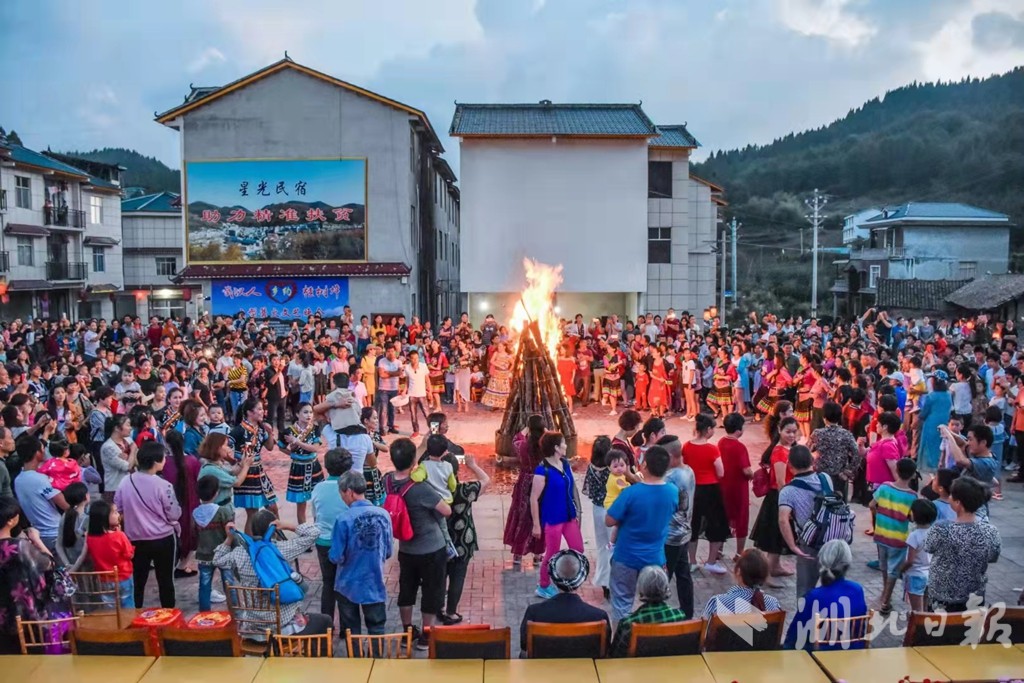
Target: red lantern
5,299
113,297
186,294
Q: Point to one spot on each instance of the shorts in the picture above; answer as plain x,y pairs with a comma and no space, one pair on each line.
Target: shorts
914,584
892,559
426,571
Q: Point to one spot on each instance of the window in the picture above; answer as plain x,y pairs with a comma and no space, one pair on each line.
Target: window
874,272
659,179
95,209
166,308
22,192
659,245
166,265
99,260
968,270
26,252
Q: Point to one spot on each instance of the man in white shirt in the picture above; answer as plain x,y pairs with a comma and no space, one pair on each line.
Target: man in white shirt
91,342
419,390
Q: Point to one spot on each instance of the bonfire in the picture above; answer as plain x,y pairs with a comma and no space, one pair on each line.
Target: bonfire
536,388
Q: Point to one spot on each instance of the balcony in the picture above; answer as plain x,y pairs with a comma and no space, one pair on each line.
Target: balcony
878,254
63,216
3,200
60,270
5,262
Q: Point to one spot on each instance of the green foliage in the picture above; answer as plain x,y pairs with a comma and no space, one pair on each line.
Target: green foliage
147,172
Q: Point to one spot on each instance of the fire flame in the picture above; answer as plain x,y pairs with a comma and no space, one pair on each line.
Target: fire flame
537,303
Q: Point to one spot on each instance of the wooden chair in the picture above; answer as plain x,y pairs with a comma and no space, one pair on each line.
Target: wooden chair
387,646
1013,618
302,646
954,627
842,633
254,611
452,642
588,640
129,642
203,642
45,633
667,640
724,633
96,592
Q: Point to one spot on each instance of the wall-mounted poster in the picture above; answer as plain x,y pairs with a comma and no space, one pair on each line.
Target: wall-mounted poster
276,210
280,298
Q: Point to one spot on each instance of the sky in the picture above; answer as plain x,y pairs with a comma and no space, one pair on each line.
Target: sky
80,75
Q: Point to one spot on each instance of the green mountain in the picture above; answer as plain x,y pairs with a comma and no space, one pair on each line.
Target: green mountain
958,141
145,172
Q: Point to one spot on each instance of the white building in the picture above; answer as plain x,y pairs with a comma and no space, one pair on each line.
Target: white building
854,228
597,188
60,242
154,252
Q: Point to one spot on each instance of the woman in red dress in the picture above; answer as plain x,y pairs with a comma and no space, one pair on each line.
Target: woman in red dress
735,483
657,395
519,525
766,534
567,372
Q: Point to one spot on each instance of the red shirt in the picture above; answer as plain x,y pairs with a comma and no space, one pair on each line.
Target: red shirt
779,454
112,549
735,458
701,458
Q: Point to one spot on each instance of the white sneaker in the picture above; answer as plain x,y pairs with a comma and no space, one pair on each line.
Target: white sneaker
716,568
217,596
612,413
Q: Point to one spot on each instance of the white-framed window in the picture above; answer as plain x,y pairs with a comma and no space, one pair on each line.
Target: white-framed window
166,265
95,209
26,251
22,192
99,260
166,308
874,272
967,270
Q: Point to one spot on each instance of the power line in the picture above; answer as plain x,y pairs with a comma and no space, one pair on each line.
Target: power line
816,205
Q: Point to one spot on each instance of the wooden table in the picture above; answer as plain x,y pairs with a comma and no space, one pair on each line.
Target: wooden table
18,667
775,666
864,666
984,663
536,670
301,670
427,671
691,669
204,670
88,669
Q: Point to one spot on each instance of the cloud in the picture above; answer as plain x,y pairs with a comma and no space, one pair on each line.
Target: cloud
979,38
206,58
829,19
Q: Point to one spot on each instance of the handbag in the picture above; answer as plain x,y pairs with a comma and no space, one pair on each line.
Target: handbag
762,482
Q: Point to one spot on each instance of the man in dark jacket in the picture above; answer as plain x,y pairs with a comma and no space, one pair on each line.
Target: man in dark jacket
569,570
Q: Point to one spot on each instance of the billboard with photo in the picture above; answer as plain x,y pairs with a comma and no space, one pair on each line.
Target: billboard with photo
275,210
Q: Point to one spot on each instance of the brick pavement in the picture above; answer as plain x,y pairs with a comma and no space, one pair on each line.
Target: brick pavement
498,594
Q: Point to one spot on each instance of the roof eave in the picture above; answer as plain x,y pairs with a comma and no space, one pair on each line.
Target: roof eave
599,136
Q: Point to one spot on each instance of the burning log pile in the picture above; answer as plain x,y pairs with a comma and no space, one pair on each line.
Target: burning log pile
535,389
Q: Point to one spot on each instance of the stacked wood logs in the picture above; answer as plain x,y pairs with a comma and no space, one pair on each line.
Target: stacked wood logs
535,389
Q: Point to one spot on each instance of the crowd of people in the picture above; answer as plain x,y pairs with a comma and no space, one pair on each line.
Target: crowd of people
132,448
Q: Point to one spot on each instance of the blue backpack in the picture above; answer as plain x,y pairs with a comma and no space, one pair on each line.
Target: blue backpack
271,568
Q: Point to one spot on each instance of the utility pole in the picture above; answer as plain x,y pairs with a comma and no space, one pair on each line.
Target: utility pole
735,282
721,306
816,205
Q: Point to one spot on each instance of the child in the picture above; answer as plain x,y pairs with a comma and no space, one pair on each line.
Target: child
211,521
619,478
641,382
217,424
942,484
71,530
891,505
440,475
60,468
90,476
956,426
994,420
110,549
915,567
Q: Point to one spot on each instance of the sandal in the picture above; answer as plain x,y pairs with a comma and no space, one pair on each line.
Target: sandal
451,619
997,496
886,610
869,532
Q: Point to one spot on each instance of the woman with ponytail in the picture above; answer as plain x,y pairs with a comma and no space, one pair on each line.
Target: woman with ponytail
71,530
182,471
836,597
518,533
750,573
